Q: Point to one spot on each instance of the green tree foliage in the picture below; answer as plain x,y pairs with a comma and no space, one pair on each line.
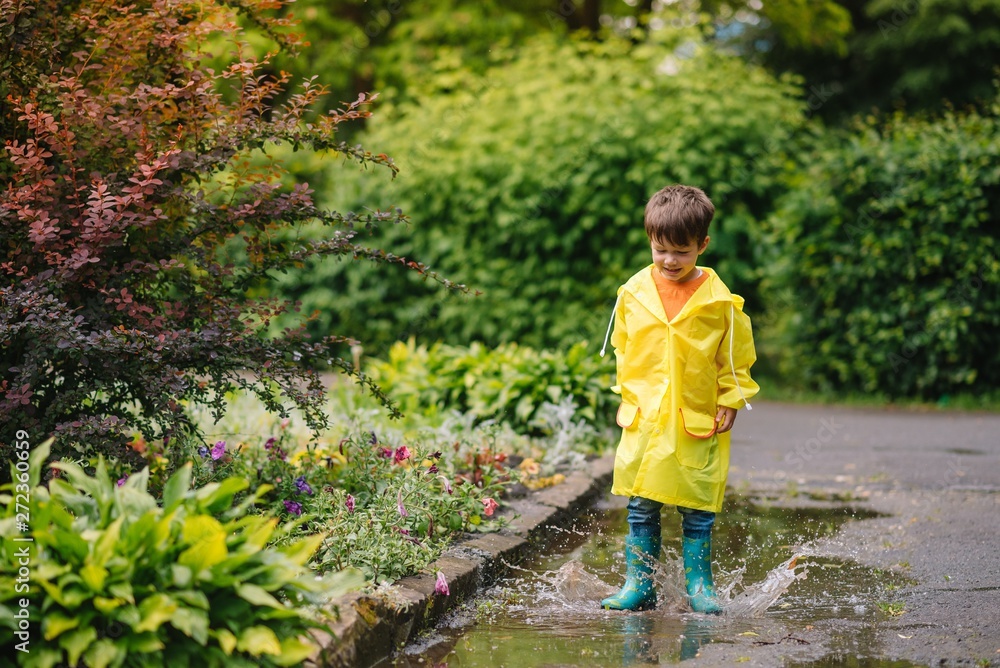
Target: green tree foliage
399,47
886,260
530,184
856,55
775,30
923,54
137,230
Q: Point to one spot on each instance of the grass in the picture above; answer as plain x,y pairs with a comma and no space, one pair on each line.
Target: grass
776,388
895,609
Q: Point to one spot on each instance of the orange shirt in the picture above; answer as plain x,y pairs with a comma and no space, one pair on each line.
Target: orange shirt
675,295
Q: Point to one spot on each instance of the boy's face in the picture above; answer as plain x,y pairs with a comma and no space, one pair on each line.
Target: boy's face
677,263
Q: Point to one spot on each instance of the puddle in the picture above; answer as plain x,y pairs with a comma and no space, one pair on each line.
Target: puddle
840,661
774,591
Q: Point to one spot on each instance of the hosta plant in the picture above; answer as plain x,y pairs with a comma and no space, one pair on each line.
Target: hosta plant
117,579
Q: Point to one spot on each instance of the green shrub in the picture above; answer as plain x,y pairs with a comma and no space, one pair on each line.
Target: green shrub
509,383
529,183
116,580
884,267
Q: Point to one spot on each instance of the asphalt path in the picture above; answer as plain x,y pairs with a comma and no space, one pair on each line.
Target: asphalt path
936,478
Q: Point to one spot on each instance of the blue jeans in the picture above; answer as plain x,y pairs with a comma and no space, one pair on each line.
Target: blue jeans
644,519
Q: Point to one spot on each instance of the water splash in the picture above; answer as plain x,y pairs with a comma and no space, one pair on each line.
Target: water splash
573,588
571,585
755,599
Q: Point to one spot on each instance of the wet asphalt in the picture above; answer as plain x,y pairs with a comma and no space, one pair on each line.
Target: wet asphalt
935,477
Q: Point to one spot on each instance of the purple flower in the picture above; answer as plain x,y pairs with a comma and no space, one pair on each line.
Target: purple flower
436,455
386,452
218,450
432,469
399,504
121,481
203,451
447,485
293,507
441,585
349,502
302,486
269,443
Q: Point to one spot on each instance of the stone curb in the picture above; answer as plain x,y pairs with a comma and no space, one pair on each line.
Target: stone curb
371,628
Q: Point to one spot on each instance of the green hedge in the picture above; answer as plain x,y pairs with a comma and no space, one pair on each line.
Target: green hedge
529,185
884,268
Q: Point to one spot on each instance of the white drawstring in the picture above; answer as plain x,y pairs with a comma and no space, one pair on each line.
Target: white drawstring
611,322
732,365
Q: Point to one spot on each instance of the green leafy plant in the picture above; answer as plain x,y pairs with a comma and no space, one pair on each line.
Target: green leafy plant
508,383
118,580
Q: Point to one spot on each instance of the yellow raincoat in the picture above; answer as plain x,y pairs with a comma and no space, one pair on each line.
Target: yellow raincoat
672,377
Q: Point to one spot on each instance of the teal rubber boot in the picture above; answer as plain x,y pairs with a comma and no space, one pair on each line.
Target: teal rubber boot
639,590
698,575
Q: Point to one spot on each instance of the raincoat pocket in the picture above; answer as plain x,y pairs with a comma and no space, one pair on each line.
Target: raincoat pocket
696,438
626,415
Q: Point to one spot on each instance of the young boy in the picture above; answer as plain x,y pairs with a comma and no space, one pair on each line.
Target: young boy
684,350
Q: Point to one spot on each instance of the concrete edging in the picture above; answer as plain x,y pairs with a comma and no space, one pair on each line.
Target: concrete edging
371,628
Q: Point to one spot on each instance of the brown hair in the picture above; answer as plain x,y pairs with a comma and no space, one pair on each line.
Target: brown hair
679,215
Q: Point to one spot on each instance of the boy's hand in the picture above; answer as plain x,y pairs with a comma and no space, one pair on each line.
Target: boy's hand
725,418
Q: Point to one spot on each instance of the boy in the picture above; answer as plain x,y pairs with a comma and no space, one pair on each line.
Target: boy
684,349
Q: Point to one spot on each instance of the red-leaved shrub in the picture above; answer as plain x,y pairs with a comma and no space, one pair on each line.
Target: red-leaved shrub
140,219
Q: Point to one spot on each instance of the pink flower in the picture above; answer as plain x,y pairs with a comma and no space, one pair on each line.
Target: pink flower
441,585
402,454
349,502
447,485
218,450
121,481
489,506
399,504
385,452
